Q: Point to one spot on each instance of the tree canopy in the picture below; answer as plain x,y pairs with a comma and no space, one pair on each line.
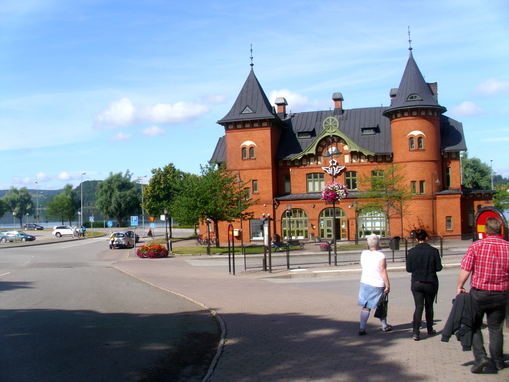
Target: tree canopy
19,202
476,174
385,190
118,196
164,186
216,195
64,205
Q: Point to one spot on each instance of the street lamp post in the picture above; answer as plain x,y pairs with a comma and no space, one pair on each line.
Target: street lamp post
288,234
433,202
166,228
81,208
334,171
239,182
37,208
140,179
14,219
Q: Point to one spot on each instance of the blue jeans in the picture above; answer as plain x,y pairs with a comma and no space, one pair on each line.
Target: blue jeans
424,294
492,303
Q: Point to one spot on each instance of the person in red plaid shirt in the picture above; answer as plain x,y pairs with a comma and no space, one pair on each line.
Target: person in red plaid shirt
487,263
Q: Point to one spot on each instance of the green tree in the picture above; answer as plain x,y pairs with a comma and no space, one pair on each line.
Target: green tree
64,205
19,202
118,196
164,186
185,206
476,174
3,208
215,195
385,190
501,197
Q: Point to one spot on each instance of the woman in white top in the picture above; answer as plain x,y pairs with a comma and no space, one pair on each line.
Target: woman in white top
374,281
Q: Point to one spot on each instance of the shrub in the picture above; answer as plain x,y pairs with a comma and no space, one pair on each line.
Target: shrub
152,251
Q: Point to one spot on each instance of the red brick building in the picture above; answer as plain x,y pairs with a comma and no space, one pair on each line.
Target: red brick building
282,157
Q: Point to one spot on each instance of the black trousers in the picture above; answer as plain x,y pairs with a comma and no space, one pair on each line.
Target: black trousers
424,294
493,304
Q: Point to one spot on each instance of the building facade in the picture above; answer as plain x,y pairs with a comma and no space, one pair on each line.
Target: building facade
282,159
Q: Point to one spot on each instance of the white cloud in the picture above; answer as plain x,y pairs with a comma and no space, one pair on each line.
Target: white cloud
491,88
42,177
120,137
296,102
23,181
215,99
467,108
120,113
153,131
176,113
64,176
123,113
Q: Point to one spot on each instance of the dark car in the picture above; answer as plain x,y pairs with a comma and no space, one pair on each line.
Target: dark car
33,226
15,236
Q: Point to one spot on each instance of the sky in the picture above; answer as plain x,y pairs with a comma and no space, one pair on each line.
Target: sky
93,87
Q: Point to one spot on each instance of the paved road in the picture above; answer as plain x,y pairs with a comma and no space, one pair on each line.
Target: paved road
292,326
67,315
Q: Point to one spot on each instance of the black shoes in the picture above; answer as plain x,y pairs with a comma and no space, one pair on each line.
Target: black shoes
362,332
479,365
500,365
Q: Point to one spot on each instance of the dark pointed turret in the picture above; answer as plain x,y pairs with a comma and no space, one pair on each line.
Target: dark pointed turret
413,91
251,103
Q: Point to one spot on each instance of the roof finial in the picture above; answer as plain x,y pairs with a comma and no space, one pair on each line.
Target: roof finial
409,40
251,56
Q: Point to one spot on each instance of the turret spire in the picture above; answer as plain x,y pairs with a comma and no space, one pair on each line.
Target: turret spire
409,40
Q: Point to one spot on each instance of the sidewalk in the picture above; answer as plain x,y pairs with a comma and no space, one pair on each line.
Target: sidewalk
278,332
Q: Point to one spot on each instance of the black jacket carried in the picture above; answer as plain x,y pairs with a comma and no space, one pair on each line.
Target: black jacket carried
423,261
460,321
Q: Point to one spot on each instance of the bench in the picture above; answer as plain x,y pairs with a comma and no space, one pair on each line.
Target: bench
296,243
280,246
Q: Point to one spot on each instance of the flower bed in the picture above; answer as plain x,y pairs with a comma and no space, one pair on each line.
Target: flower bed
324,247
152,251
334,192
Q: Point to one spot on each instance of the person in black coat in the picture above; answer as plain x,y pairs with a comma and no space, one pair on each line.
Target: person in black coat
423,262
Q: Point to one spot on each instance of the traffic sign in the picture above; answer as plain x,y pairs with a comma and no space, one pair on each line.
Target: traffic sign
134,220
152,225
110,223
91,219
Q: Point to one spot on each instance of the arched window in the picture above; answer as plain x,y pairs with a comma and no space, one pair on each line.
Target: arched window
244,153
295,224
420,143
251,153
327,224
411,143
371,222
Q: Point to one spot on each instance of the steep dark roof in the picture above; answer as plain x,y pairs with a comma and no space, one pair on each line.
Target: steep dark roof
451,132
219,155
366,127
251,103
413,90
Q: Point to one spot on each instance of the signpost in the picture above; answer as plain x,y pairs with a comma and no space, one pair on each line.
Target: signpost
134,221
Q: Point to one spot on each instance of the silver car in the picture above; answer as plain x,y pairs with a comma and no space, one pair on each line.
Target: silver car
123,239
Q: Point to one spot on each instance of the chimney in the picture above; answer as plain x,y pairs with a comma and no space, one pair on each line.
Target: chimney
393,93
281,107
338,103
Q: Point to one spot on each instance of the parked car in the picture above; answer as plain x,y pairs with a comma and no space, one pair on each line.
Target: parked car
61,230
33,226
15,236
123,239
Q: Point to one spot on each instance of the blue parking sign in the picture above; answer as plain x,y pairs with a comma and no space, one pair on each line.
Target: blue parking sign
134,220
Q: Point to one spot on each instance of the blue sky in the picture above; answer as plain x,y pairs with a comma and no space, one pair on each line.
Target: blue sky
100,86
